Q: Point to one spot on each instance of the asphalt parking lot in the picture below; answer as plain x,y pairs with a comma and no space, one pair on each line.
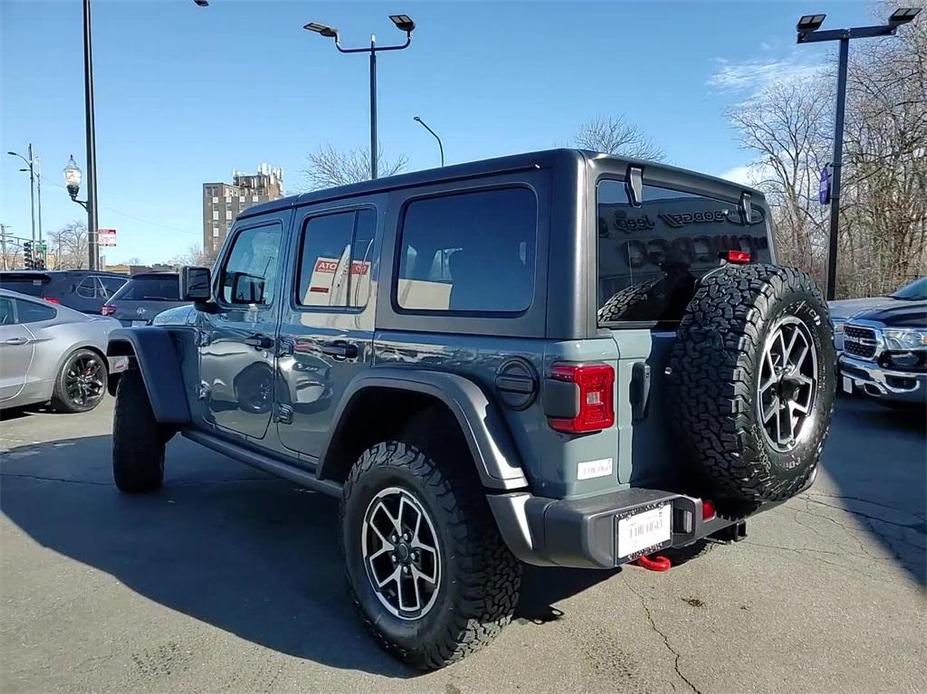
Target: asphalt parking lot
230,580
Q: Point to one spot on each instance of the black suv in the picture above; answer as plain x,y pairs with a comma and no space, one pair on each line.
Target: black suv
559,358
82,290
143,297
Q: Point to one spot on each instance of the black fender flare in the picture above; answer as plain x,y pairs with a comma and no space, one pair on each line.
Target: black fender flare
481,422
158,359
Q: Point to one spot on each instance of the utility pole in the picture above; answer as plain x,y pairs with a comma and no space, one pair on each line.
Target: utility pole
38,188
30,162
3,242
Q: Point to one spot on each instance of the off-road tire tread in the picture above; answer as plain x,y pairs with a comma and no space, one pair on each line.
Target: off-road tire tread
488,586
711,380
138,439
621,302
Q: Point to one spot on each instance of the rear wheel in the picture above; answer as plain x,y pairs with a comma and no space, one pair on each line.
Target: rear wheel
81,383
429,573
138,439
753,375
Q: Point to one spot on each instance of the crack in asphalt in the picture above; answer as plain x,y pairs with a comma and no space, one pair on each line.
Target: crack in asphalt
666,642
866,515
851,532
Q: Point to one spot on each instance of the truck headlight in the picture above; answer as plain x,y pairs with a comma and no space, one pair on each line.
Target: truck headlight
838,327
905,338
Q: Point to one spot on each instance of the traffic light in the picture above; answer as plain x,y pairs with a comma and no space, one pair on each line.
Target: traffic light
28,257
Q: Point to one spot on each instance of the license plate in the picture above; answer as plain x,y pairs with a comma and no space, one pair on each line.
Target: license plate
137,323
847,385
648,530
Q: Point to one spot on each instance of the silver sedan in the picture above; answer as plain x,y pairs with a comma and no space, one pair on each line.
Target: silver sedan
52,353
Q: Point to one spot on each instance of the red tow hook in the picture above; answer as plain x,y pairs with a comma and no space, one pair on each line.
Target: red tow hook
655,562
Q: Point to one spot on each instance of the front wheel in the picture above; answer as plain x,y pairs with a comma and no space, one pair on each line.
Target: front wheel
138,439
81,383
429,573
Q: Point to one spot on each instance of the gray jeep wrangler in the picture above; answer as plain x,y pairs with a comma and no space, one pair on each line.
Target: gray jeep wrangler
560,358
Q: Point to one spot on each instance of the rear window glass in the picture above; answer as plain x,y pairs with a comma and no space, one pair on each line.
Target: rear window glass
649,257
469,252
166,288
33,286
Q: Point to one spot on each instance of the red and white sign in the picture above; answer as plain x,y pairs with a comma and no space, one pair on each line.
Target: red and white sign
106,237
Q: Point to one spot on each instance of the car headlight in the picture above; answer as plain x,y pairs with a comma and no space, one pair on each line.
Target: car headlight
905,339
839,325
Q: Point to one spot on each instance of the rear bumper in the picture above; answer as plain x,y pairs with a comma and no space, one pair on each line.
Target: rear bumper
873,380
582,533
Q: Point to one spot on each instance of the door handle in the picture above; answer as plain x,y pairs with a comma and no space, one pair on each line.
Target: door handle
18,340
340,350
259,341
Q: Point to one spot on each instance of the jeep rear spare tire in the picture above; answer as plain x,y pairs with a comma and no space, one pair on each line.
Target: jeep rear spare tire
753,379
430,575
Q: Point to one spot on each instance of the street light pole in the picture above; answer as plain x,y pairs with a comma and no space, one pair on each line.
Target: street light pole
809,32
30,162
440,144
404,23
374,148
93,250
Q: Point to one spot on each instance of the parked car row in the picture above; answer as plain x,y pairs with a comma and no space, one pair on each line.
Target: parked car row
133,301
54,327
882,343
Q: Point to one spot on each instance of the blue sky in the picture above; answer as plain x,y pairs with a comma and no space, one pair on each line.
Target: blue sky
187,94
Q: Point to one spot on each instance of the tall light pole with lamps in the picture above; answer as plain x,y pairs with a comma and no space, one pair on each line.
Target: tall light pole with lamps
31,164
809,32
404,23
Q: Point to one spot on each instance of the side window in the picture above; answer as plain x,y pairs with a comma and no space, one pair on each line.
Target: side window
336,258
28,312
87,288
468,252
250,273
7,315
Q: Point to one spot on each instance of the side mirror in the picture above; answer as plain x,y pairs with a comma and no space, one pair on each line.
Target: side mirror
195,284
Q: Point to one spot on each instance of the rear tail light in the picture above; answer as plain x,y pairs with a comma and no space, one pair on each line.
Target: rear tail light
708,510
52,300
737,257
107,310
595,384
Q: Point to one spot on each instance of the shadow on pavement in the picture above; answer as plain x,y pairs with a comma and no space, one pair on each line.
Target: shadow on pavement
221,542
878,458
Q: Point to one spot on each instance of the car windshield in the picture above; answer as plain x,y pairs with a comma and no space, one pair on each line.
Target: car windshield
151,288
915,291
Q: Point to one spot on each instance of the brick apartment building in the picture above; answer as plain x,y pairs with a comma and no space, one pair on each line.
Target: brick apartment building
223,201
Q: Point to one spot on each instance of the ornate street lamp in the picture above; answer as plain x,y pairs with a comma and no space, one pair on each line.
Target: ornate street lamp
72,178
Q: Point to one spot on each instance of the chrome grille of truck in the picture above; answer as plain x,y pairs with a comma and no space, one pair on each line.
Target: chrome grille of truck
859,341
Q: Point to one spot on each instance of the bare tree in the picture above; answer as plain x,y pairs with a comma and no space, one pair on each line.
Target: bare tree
786,125
194,255
69,247
885,206
328,167
616,135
